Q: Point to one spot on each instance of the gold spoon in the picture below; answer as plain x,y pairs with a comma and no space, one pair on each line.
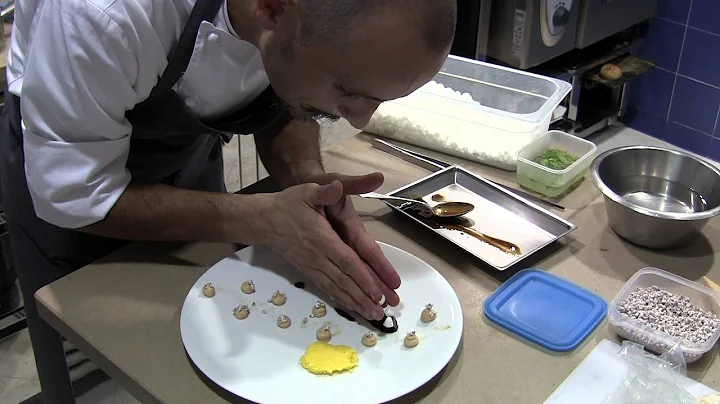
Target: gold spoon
444,210
505,246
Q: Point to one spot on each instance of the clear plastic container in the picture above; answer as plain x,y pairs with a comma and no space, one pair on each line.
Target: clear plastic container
652,339
486,113
549,182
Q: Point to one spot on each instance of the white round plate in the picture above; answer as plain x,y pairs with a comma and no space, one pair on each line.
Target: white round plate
258,361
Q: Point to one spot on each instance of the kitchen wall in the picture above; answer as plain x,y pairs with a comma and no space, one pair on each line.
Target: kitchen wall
679,100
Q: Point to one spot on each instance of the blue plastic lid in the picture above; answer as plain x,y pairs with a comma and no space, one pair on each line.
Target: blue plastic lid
545,309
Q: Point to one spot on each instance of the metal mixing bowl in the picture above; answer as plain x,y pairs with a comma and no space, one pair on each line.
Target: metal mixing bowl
655,197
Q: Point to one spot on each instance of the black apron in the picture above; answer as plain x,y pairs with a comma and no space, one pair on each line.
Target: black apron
168,145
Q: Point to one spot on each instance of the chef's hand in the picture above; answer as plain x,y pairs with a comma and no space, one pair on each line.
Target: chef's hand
346,222
299,231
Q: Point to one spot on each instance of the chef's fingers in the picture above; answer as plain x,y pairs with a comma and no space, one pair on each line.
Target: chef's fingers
323,195
369,250
360,184
357,237
336,294
391,297
353,277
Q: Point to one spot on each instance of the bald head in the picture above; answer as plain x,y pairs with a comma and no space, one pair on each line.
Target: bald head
343,58
333,21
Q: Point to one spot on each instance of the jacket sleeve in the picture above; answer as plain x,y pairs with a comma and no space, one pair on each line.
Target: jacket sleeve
77,85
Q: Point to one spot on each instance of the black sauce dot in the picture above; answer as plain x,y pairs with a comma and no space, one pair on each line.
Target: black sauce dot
344,314
380,325
300,285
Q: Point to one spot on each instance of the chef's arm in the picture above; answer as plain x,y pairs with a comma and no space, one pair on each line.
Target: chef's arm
164,213
293,154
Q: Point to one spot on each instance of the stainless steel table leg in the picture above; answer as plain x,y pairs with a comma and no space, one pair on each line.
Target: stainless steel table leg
34,273
52,368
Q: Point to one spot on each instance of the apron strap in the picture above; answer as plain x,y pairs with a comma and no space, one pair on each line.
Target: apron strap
204,10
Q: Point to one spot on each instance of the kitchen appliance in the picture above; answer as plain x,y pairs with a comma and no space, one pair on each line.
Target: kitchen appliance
600,19
526,33
609,31
567,40
596,103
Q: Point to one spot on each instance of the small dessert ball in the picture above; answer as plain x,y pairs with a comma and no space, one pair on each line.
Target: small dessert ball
411,340
319,309
428,314
248,287
241,312
208,290
611,72
323,334
283,321
369,339
279,298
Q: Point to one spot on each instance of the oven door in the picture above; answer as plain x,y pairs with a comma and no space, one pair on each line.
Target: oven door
600,19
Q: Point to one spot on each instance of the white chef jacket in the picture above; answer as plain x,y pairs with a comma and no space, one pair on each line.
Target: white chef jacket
79,65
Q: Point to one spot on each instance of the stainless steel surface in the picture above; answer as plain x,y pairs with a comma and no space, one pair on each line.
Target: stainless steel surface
443,210
600,19
409,155
491,201
654,197
435,165
526,33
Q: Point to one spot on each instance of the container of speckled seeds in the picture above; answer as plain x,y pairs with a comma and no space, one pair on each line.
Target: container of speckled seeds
643,312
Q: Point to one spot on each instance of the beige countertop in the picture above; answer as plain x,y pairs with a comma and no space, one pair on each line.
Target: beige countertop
124,312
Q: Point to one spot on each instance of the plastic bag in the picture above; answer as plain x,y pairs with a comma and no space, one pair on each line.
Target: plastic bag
650,378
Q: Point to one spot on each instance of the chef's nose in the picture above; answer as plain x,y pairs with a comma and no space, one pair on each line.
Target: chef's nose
359,114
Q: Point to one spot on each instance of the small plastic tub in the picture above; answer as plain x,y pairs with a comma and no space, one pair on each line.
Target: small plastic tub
544,180
658,341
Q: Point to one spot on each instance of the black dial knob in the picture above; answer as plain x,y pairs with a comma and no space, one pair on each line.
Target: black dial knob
561,17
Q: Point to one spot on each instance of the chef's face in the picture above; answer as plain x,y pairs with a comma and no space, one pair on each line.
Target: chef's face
381,60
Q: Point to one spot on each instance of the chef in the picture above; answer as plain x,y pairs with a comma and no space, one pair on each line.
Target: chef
117,111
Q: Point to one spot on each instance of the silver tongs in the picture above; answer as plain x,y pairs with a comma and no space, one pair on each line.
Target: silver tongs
434,165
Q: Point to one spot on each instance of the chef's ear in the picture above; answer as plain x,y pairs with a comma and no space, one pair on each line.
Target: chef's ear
272,12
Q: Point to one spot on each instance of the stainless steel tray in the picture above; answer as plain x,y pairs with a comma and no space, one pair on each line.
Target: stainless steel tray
498,213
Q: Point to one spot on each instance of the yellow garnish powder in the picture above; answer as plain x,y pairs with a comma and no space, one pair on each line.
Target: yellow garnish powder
321,358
